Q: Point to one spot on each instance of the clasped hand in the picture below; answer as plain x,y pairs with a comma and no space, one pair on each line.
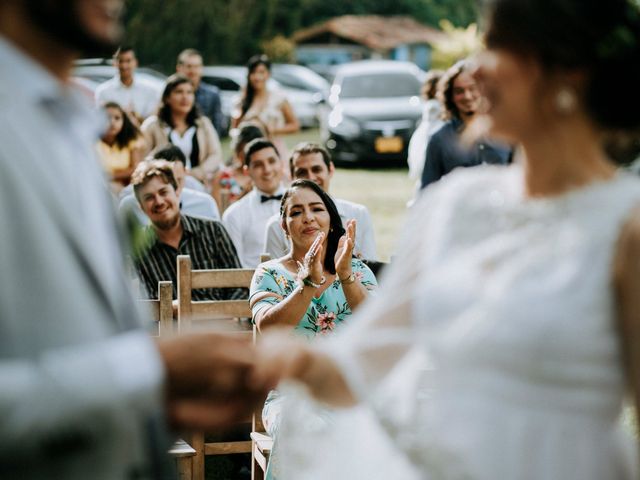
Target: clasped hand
311,267
208,380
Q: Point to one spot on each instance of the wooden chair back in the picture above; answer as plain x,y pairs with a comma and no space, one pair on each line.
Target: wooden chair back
161,311
221,315
225,199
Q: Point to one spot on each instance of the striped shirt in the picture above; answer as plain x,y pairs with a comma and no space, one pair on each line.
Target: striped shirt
209,246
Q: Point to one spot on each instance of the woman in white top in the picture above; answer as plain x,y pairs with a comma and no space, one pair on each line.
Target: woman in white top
264,105
519,285
179,122
430,123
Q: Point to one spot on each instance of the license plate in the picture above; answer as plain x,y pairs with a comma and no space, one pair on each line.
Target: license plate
389,144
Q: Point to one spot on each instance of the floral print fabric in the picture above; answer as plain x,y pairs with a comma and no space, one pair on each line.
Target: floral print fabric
325,313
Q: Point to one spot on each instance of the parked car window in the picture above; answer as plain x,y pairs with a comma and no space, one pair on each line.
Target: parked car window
374,85
300,77
221,82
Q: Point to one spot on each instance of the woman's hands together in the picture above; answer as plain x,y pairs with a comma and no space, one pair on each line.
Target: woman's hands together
311,266
344,253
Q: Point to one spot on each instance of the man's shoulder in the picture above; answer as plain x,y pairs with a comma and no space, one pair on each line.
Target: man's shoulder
448,128
237,208
197,195
273,220
200,224
348,208
107,86
141,84
209,89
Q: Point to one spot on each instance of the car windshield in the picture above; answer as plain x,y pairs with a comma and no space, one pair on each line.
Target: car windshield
376,85
299,78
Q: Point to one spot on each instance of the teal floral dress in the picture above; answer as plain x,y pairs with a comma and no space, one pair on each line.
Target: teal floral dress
323,316
325,313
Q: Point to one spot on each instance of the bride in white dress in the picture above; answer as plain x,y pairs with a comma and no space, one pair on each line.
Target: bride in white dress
514,304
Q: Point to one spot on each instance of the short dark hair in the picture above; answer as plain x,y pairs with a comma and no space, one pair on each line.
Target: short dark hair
148,169
123,49
445,88
336,230
188,52
170,153
255,146
164,112
307,148
247,131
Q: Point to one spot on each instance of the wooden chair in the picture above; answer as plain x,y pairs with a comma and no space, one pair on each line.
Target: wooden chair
219,315
225,195
262,445
162,313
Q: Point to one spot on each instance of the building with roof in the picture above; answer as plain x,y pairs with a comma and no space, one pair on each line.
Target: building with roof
358,37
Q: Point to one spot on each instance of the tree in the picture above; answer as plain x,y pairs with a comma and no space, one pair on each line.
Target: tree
230,31
458,44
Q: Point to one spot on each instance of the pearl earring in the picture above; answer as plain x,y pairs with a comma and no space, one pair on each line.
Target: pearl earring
565,101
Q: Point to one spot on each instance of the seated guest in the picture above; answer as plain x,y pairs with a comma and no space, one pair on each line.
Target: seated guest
315,286
178,122
192,202
121,147
247,218
233,178
172,233
312,162
459,95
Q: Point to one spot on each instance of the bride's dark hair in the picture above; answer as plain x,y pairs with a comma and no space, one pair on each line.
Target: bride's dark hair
599,38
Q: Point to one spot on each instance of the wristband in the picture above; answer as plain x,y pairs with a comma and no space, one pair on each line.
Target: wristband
349,280
309,283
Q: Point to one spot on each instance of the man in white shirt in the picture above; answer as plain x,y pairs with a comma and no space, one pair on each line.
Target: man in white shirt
312,162
134,95
85,392
246,219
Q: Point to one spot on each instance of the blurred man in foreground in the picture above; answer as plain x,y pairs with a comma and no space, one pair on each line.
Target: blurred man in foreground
84,391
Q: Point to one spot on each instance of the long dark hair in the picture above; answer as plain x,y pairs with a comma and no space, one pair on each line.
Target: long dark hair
249,92
129,131
164,112
336,230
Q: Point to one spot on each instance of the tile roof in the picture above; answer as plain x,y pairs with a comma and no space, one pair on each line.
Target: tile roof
373,31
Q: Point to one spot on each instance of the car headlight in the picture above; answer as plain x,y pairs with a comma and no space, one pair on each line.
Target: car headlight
343,125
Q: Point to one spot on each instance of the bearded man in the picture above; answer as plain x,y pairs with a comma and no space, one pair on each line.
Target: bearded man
172,233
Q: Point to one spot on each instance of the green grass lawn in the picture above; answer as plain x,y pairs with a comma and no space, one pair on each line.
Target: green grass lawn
384,191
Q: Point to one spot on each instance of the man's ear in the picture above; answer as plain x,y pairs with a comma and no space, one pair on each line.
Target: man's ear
332,169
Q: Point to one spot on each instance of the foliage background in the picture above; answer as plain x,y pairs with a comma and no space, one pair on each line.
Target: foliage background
230,31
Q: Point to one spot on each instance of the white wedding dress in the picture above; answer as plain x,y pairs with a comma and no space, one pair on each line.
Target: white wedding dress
491,351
